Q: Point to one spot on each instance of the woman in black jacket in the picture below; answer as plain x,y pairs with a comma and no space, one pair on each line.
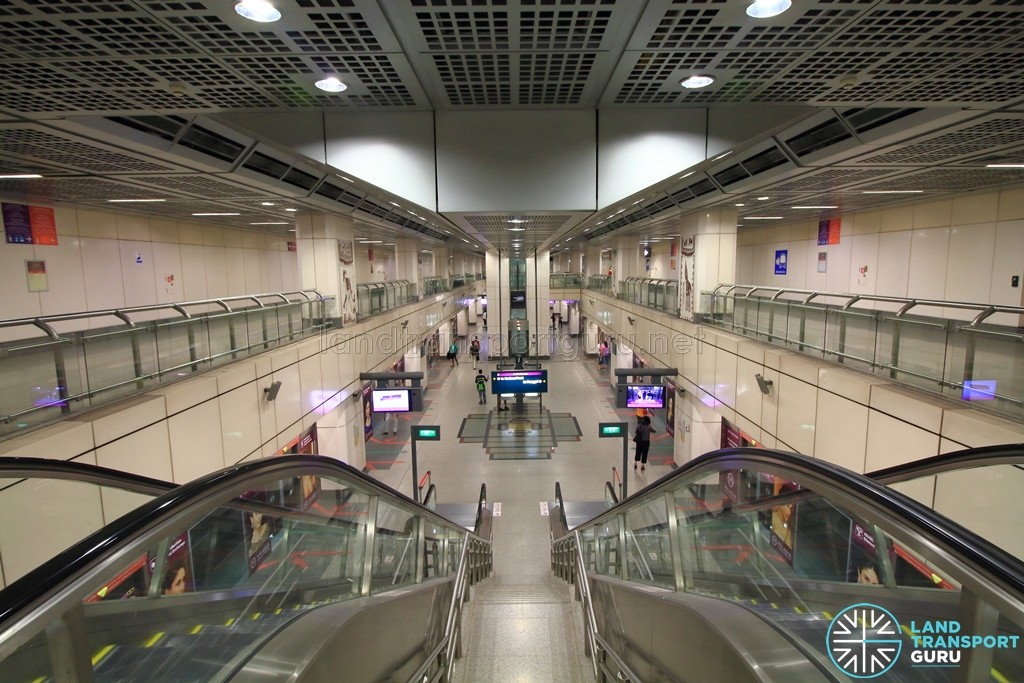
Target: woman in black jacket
642,437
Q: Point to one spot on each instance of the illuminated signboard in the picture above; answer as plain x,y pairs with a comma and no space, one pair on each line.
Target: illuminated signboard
519,382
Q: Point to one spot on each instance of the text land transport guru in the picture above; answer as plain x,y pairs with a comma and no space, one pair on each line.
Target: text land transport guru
946,634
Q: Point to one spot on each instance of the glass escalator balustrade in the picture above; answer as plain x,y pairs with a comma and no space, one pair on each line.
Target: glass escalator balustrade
798,551
203,587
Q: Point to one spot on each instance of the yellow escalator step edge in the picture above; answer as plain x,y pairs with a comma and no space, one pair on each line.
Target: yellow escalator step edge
154,640
98,657
1000,678
196,629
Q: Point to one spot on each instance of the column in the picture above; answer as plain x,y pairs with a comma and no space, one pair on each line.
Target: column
327,261
711,235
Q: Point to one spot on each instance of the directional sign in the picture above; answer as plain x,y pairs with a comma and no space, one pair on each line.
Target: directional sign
611,429
427,433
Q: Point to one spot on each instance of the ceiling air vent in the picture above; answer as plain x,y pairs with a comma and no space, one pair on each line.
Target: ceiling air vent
819,137
301,179
266,165
702,187
731,175
863,120
768,159
215,145
164,127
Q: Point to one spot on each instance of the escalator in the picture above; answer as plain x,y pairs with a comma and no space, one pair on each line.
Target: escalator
758,565
292,568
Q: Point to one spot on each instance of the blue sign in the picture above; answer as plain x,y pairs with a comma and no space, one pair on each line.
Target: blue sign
781,259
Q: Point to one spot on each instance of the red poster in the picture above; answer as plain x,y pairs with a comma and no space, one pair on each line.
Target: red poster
44,225
833,231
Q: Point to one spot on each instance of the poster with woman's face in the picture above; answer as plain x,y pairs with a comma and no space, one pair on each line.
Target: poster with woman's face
259,528
347,295
367,412
687,279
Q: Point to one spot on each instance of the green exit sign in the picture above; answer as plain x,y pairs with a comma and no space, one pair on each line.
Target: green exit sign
432,433
611,429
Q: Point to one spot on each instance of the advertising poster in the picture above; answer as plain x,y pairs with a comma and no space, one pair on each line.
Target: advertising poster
781,261
367,411
828,231
822,261
348,277
178,573
44,225
35,275
670,408
784,521
687,278
259,528
303,491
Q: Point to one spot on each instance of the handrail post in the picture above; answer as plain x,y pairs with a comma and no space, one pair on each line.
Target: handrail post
369,536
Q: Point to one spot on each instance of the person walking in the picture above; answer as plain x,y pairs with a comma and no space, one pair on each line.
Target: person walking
453,353
481,386
474,351
391,423
642,438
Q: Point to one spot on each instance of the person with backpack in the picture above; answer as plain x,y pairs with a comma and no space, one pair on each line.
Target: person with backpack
474,351
642,438
453,353
481,386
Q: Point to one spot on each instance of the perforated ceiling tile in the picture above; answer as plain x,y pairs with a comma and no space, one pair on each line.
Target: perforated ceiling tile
128,35
63,151
114,73
90,101
911,65
755,65
465,29
272,69
498,224
826,65
563,28
336,32
981,30
792,92
197,185
967,141
238,98
193,72
806,32
952,179
886,27
475,79
553,78
219,39
823,180
77,189
691,29
46,40
369,69
28,75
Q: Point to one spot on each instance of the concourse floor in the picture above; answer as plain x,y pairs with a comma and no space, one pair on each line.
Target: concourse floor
522,624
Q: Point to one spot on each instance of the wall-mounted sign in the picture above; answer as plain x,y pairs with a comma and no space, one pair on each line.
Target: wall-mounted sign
828,231
24,224
35,274
781,260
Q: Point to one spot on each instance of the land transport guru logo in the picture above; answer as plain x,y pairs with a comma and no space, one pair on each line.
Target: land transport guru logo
865,641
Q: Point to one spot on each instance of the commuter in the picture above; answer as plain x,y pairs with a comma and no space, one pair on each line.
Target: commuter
481,386
474,351
867,574
603,352
453,353
391,423
642,438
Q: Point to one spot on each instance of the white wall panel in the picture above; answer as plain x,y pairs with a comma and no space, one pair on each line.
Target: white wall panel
193,273
252,262
796,413
103,286
196,441
893,263
216,272
929,252
970,265
167,262
841,431
863,254
137,273
839,257
893,442
234,263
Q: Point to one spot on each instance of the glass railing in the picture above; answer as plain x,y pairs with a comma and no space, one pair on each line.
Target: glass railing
269,564
434,285
376,297
661,295
787,544
458,280
55,365
566,280
602,284
966,351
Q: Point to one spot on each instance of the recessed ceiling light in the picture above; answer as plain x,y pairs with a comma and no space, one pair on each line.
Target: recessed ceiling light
586,229
216,214
266,203
20,176
292,210
814,207
258,10
991,166
447,231
687,175
272,223
893,191
762,218
722,156
134,201
739,204
761,199
331,84
697,82
395,204
517,229
371,241
291,229
346,179
464,240
763,9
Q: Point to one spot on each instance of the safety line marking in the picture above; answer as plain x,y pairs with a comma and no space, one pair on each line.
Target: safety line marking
153,640
96,658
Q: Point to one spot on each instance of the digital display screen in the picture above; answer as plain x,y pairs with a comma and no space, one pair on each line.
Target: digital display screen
519,382
979,390
390,400
645,396
517,299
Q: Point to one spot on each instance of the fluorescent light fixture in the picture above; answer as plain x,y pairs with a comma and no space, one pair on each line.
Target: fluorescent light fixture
991,166
761,199
331,84
586,230
292,210
517,229
447,231
814,207
371,241
291,229
763,9
346,179
20,176
217,214
258,10
893,191
395,204
687,175
266,203
762,218
722,156
272,223
698,81
134,201
517,221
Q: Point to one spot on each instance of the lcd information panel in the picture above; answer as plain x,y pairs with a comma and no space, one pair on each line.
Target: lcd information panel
519,382
979,390
390,400
645,396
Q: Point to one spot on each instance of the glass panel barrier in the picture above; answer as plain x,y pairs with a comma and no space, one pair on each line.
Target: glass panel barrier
952,348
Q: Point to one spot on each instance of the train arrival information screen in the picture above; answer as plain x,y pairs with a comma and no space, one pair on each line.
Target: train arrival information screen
519,382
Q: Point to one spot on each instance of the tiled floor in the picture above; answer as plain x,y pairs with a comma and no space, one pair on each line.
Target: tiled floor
522,625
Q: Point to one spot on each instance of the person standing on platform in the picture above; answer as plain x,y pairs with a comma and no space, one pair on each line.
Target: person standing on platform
390,423
453,353
642,437
474,351
481,386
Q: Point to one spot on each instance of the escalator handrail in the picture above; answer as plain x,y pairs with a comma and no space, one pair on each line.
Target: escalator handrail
610,491
984,456
482,523
997,563
44,468
48,581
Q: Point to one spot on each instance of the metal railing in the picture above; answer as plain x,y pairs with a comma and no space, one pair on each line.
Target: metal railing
661,295
602,284
968,351
565,280
375,297
54,365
